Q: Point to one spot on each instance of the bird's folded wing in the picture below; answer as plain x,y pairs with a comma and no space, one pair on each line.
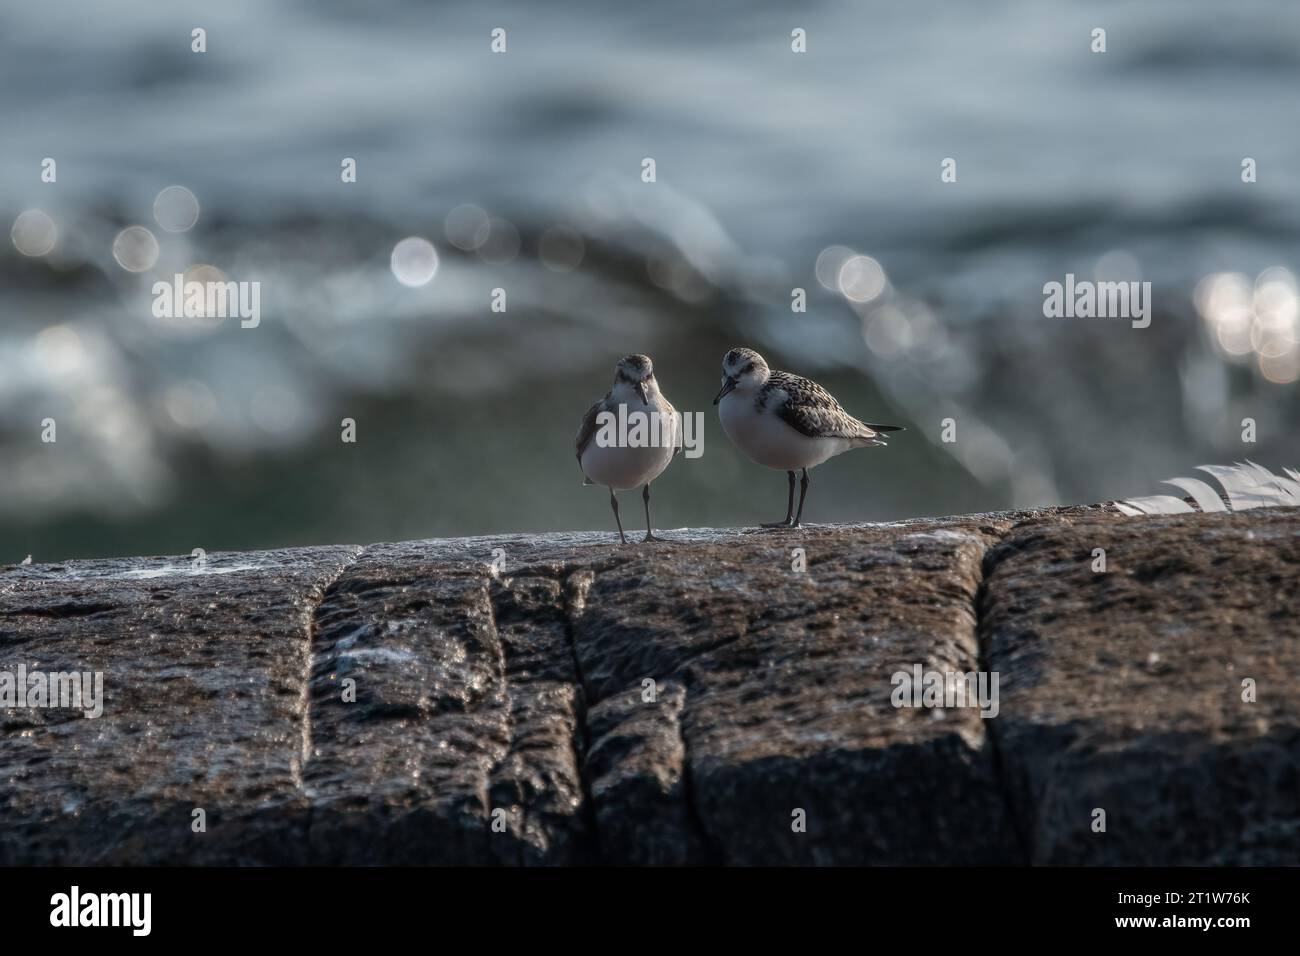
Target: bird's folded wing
588,428
811,410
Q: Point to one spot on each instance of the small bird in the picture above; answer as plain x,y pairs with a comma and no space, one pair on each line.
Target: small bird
786,421
634,457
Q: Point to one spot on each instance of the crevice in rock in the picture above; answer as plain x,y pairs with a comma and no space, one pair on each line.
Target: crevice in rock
702,849
326,589
992,556
494,590
575,586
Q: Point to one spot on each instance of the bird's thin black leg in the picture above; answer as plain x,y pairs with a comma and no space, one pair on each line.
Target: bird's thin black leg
789,507
803,493
649,530
613,503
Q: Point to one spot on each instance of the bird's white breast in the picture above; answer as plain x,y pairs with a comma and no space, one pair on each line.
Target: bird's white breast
621,467
766,439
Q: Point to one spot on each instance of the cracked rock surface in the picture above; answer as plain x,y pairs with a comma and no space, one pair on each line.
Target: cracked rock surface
1123,691
721,697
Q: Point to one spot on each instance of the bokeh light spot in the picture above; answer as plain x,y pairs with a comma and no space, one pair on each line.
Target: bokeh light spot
829,262
135,249
414,261
467,227
176,209
861,279
34,233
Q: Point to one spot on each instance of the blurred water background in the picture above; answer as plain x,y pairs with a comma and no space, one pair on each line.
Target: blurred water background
524,172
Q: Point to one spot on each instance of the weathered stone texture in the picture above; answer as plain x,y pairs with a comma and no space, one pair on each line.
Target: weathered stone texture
203,708
1123,690
557,699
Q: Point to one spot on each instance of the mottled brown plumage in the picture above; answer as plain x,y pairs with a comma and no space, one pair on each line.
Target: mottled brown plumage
811,410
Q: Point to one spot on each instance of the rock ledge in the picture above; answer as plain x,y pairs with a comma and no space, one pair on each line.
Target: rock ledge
722,697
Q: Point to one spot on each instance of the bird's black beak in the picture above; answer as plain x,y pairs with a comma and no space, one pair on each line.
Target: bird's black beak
640,390
727,385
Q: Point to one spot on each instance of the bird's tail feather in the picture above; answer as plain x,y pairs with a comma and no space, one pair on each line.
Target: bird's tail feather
862,441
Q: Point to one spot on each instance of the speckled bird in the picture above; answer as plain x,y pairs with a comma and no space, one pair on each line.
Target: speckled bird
787,422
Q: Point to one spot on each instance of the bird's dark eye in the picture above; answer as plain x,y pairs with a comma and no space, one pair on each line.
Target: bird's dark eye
747,369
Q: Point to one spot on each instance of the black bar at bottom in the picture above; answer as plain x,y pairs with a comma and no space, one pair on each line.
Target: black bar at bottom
540,907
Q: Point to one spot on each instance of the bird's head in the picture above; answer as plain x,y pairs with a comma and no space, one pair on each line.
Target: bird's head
742,370
636,371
